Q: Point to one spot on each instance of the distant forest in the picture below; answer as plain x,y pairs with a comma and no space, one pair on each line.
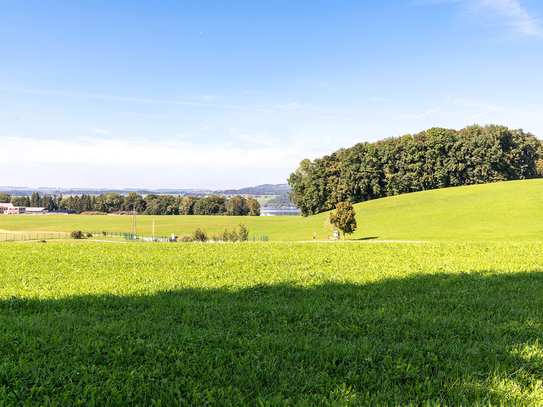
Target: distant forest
435,158
150,205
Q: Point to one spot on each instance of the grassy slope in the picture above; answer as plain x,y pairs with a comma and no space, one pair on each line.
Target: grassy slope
504,211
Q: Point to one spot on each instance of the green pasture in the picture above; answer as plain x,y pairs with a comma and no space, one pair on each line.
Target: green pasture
510,210
365,323
263,201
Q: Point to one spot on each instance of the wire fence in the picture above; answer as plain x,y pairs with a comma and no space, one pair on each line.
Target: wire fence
33,236
140,238
112,234
127,236
260,239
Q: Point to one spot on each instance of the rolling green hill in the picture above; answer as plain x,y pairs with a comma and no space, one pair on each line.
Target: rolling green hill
501,211
510,210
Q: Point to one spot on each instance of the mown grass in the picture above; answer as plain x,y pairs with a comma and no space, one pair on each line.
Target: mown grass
271,324
502,211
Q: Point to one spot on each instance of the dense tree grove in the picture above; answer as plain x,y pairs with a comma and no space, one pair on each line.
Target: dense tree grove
149,205
436,158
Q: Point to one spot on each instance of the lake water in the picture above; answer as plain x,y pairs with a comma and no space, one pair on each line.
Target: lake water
279,212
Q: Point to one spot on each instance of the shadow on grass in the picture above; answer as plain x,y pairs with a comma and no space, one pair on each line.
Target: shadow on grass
457,339
366,238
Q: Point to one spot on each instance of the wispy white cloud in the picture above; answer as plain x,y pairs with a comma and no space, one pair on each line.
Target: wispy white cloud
154,163
186,133
200,33
323,144
489,111
100,151
500,12
102,132
293,105
276,144
284,110
350,140
511,13
127,99
208,97
430,111
256,139
437,108
472,103
475,106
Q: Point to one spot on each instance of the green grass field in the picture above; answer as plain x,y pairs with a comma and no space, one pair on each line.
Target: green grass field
364,323
503,211
457,320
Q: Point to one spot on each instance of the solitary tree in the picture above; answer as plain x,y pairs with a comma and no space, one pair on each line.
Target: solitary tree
344,218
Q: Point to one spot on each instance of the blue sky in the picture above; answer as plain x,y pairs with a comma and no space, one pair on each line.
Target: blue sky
227,94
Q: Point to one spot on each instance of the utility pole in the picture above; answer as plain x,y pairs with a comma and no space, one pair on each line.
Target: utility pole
134,226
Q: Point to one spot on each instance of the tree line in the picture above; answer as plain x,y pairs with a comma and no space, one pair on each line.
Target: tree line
435,158
151,204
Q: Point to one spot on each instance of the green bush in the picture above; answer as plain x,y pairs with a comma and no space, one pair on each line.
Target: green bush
184,238
76,234
233,235
199,235
224,235
243,233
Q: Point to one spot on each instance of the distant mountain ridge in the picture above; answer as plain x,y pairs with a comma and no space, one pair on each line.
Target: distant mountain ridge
264,189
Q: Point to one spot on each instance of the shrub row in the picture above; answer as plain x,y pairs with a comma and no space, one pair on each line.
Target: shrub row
77,234
240,234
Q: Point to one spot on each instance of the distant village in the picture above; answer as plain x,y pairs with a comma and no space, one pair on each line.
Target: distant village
10,209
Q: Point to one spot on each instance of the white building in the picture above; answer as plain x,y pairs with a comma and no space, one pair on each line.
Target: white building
4,207
9,209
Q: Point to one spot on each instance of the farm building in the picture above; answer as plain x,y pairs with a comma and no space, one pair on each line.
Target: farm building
9,209
14,210
5,206
36,211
